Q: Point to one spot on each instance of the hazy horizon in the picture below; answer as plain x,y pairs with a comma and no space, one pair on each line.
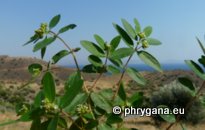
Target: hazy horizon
175,24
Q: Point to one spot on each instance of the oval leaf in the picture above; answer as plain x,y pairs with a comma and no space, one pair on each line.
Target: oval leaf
53,124
114,43
116,62
93,48
113,69
66,28
73,87
149,60
136,76
202,60
200,44
126,38
121,53
79,99
153,41
54,21
187,83
101,102
128,28
35,69
137,26
49,86
42,44
59,56
96,61
121,92
147,30
43,51
167,117
100,41
196,68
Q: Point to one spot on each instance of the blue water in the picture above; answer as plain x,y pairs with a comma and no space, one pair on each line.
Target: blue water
143,67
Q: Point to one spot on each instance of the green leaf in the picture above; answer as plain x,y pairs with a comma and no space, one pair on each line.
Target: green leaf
38,99
43,51
96,61
100,41
149,60
44,43
49,86
137,26
126,38
201,45
202,60
79,99
113,118
101,102
136,76
153,41
54,21
187,83
59,56
121,53
36,124
62,122
53,123
147,30
167,117
136,99
196,68
93,69
35,69
114,43
93,48
34,38
66,28
116,62
113,69
121,92
9,122
129,28
73,87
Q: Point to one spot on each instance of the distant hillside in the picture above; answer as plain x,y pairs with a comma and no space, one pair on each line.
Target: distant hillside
15,68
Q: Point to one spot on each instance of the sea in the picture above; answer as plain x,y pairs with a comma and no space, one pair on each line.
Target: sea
143,67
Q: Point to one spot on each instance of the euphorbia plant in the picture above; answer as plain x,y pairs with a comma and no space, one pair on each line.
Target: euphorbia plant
80,107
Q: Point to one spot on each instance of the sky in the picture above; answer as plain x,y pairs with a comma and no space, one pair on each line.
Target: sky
176,23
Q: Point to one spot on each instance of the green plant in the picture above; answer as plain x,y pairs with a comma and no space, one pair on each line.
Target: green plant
197,93
176,95
81,108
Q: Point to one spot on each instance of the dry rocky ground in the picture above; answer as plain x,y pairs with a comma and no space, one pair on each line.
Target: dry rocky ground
13,74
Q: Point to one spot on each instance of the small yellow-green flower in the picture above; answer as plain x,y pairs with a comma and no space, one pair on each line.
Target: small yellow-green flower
82,109
141,35
23,110
42,30
145,44
49,107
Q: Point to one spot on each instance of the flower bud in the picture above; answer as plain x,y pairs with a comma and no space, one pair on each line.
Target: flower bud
142,35
82,109
145,44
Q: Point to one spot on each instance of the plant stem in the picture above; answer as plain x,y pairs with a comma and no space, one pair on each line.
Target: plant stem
189,104
101,73
121,77
72,53
68,47
70,118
